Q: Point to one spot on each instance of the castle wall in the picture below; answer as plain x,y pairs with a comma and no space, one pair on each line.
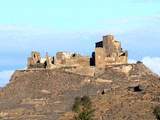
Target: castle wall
84,61
107,52
36,56
71,59
123,59
30,61
35,60
99,57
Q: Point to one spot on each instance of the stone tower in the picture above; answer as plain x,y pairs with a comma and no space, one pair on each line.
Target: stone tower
109,52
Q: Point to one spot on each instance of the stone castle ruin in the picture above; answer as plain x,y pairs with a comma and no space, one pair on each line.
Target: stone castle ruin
47,89
107,52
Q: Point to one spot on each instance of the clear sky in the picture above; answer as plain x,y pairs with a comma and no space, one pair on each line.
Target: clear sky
75,25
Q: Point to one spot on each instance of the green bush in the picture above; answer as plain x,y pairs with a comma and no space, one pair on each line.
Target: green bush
83,108
86,102
157,112
85,115
83,102
77,104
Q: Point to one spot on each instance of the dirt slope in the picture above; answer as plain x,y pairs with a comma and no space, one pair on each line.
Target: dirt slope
49,94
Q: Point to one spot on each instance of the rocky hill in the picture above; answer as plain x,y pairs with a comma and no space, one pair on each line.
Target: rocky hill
120,92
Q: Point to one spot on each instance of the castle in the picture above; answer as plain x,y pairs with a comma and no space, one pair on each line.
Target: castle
48,88
107,52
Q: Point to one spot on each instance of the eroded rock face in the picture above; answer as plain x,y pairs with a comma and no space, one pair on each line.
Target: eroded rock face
49,94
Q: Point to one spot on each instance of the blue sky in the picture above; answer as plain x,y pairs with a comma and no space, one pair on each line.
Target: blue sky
75,25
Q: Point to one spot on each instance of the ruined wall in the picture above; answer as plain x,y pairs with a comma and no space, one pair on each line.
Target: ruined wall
124,58
35,60
107,52
71,59
49,61
99,57
62,57
83,61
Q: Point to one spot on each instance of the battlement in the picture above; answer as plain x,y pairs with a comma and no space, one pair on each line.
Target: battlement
107,52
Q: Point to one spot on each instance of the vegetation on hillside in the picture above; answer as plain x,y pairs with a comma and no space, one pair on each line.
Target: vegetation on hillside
83,108
157,112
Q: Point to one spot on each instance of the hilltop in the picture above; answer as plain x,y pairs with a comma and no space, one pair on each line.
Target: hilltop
49,94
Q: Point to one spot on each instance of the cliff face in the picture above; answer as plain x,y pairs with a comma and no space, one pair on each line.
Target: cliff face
129,92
